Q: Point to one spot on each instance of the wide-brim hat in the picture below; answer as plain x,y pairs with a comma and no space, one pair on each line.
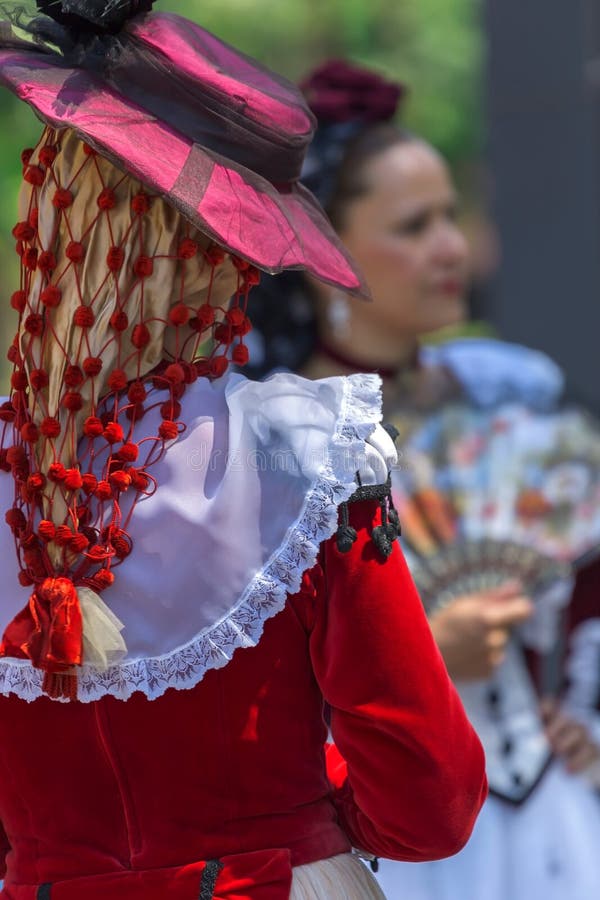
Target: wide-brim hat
218,135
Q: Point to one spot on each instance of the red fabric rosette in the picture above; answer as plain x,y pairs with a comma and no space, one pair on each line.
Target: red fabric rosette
49,630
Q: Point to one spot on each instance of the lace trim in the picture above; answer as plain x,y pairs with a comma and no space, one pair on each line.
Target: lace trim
263,598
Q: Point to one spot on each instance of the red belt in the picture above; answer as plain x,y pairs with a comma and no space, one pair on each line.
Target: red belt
261,875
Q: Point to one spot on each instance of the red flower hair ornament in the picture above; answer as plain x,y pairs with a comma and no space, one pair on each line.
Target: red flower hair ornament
339,91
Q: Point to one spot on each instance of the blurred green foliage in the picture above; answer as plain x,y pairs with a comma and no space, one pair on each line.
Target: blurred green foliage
433,46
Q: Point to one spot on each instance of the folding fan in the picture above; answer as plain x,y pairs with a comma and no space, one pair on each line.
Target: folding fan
487,497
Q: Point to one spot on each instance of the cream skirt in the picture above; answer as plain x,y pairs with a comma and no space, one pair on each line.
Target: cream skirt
342,877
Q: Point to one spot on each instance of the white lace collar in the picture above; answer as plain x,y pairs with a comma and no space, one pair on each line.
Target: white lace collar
245,498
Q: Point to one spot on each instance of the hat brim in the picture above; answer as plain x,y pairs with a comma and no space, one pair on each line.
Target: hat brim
275,229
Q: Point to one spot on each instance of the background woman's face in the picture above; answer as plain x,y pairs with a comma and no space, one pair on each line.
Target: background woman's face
402,233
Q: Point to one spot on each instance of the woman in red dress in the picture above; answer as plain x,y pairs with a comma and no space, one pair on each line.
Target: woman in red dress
166,513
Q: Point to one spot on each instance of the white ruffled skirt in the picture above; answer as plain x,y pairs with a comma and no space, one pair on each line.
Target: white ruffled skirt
342,877
546,849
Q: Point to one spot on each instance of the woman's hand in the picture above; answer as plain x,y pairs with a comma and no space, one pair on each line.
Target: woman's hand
569,739
472,631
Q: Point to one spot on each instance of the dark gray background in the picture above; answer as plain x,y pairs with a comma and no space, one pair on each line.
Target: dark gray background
543,107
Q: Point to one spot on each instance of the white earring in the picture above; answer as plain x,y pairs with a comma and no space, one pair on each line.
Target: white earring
338,314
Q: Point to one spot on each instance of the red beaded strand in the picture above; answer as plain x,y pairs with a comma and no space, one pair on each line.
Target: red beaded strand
90,539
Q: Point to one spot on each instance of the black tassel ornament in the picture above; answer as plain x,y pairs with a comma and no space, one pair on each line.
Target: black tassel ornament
384,535
346,534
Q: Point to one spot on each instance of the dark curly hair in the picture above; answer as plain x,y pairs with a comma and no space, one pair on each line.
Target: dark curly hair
354,108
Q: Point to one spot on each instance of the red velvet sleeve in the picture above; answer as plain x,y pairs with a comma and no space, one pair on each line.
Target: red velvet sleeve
411,776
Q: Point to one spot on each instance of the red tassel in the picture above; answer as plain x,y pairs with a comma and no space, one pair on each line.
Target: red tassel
60,685
49,632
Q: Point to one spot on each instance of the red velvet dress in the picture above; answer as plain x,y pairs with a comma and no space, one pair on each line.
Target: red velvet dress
131,799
